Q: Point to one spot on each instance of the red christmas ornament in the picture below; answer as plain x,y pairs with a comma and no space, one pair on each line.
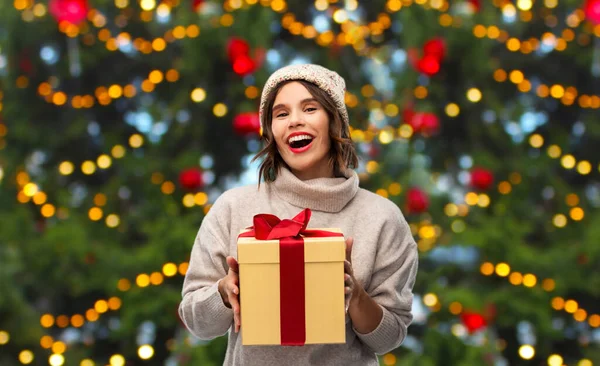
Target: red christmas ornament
244,65
481,178
473,321
191,179
237,47
72,11
416,200
476,4
408,114
196,4
591,8
426,123
428,65
247,124
435,47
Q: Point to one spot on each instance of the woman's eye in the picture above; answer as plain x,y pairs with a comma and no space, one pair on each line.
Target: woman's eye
311,109
283,114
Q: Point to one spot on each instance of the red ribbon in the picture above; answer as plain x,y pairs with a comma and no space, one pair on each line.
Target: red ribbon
290,233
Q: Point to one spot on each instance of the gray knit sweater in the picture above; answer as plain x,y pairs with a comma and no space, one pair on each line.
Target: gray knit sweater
384,258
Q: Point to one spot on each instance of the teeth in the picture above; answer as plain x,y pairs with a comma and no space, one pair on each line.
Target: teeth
299,137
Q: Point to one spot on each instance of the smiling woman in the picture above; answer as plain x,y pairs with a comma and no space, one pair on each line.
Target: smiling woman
307,163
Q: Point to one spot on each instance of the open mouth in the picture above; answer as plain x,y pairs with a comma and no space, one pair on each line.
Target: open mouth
300,141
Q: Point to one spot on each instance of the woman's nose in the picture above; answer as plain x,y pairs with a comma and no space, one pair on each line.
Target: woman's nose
296,118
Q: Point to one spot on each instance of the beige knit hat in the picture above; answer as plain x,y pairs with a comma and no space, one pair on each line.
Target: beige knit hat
329,81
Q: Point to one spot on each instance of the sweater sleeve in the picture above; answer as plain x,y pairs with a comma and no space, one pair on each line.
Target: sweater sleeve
202,309
391,285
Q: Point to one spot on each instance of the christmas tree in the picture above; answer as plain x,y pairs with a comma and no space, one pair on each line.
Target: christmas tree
122,121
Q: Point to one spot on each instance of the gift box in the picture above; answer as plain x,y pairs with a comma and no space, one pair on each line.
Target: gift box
291,282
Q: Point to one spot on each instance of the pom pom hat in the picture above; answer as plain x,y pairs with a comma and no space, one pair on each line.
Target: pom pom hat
329,81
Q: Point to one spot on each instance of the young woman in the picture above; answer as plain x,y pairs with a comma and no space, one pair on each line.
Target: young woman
307,163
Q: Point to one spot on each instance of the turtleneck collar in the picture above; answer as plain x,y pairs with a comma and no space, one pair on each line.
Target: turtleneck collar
320,194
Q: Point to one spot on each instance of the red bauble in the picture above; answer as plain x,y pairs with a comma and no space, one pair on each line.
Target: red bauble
191,179
591,8
428,65
72,11
473,321
244,65
426,123
481,178
416,200
196,4
408,114
247,124
476,4
435,47
237,47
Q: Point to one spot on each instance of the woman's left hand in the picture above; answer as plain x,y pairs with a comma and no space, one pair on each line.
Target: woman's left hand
351,286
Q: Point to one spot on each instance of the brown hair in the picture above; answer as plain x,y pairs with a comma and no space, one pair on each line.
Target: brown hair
342,154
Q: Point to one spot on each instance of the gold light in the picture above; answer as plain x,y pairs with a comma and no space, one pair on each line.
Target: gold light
502,269
526,352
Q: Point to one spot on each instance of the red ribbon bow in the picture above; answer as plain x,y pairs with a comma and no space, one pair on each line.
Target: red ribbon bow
290,234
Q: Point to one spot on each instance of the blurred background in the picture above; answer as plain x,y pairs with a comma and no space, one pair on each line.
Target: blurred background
121,121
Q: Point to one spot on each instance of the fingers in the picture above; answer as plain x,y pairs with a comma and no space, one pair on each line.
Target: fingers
348,284
233,264
235,306
349,243
348,268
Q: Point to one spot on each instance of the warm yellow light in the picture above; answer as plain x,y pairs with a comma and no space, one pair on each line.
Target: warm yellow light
395,189
340,16
115,91
4,337
220,109
555,360
148,4
584,167
59,347
200,198
524,4
558,303
114,303
123,284
198,95
389,359
554,151
483,200
594,321
430,300
372,167
56,360
584,361
112,220
557,91
183,267
559,220
48,210
66,168
536,140
500,75
136,140
92,315
87,362
142,280
117,360
580,315
118,151
88,167
156,278
577,213
526,352
169,269
386,136
452,109
474,95
104,161
101,306
487,268
529,280
515,278
548,284
30,189
167,187
145,352
568,161
571,306
455,308
321,5
47,320
156,76
471,198
95,213
26,357
188,200
406,131
516,76
77,321
502,269
46,341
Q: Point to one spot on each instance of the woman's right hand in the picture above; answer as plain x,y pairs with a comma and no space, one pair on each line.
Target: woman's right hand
230,291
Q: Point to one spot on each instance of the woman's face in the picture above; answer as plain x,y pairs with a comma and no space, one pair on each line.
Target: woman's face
300,127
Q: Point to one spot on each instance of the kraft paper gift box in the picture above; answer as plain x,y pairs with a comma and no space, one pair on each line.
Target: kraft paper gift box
291,282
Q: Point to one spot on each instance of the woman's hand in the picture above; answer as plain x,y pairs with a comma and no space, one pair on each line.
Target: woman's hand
230,291
352,287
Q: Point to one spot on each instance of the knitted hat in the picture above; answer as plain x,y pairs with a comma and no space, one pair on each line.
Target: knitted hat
329,81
